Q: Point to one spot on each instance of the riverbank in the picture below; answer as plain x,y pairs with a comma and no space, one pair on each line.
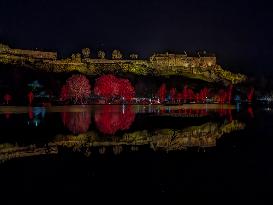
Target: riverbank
84,108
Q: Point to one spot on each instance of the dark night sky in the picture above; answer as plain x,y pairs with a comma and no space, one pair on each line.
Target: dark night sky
239,32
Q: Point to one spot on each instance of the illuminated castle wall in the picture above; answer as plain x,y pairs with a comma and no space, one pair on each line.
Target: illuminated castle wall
5,50
182,60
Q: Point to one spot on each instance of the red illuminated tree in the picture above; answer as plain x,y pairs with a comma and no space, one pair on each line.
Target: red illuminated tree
229,93
172,94
203,94
179,97
126,89
7,98
109,86
185,93
64,93
162,92
190,94
222,96
197,97
78,88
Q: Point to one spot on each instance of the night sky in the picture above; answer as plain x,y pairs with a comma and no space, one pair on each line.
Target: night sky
240,32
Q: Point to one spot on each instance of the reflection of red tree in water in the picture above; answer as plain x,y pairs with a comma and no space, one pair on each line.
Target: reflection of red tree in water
250,112
7,115
77,122
250,94
111,119
30,97
30,113
225,113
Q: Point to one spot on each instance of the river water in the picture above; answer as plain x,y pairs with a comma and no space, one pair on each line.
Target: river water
136,148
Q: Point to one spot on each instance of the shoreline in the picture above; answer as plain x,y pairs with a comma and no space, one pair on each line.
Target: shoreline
83,108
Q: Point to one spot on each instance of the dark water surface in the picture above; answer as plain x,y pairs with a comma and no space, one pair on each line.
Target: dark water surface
136,149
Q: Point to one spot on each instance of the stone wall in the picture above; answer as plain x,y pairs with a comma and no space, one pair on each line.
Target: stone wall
33,54
182,60
4,49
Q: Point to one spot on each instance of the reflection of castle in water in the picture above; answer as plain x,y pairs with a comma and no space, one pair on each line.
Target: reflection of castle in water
204,135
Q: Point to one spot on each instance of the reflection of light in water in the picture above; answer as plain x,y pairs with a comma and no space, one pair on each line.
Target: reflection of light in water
39,110
123,109
36,122
34,115
7,115
238,107
77,122
204,135
150,108
109,119
250,112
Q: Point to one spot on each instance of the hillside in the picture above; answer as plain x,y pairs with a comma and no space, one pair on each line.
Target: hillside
195,67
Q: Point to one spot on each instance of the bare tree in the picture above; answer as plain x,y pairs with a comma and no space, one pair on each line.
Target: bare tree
116,54
86,52
134,56
101,54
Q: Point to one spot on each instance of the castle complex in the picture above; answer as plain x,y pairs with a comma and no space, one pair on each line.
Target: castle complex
167,64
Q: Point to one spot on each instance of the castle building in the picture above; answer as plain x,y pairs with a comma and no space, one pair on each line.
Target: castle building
183,60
